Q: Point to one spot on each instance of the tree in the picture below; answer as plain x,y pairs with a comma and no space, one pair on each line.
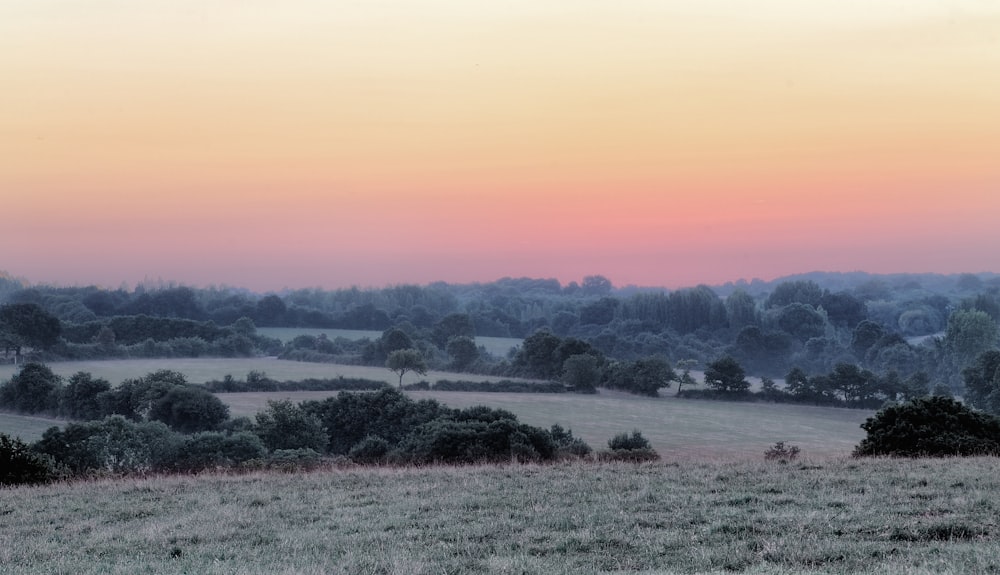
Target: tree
21,466
726,375
286,426
34,389
404,360
970,333
453,325
982,382
80,398
582,372
930,426
741,310
27,324
189,409
463,352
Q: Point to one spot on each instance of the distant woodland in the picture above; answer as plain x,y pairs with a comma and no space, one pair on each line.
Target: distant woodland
889,336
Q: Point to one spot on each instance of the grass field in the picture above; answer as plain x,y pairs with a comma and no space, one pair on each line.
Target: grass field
497,346
831,516
675,427
27,427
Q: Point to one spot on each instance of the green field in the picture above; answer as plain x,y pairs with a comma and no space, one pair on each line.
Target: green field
677,428
497,346
830,516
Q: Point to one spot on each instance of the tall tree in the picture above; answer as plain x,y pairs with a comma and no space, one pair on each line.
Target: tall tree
27,324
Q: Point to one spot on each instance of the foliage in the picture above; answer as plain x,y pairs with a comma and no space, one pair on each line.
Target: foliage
34,389
402,361
81,398
21,466
581,373
932,426
189,409
726,375
232,385
626,441
982,382
27,324
215,450
501,386
286,426
113,445
643,376
781,452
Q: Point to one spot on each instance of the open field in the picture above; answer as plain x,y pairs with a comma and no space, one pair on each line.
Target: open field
833,516
498,346
200,370
675,427
28,427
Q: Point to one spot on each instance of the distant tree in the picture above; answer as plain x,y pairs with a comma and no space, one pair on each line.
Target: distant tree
970,333
80,398
982,382
538,357
271,311
463,352
865,335
801,292
726,375
189,409
741,310
27,324
582,372
286,426
453,325
596,285
33,389
643,376
404,360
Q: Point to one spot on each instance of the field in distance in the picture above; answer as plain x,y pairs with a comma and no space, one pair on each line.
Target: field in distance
497,346
674,427
836,516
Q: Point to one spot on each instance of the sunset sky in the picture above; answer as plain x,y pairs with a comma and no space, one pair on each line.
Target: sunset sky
319,143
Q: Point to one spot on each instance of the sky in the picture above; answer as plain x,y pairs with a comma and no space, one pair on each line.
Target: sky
317,143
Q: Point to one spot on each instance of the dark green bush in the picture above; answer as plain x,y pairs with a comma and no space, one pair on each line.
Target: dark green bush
212,449
371,449
285,426
33,389
19,465
930,427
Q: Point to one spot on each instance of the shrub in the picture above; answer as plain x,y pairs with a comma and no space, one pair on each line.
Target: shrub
211,449
21,466
34,389
624,441
371,449
284,426
930,426
189,409
625,447
567,444
781,452
114,445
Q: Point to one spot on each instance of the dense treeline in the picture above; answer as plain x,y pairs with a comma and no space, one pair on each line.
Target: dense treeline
160,423
927,323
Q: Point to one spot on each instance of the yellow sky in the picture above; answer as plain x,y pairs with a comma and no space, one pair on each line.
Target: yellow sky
529,128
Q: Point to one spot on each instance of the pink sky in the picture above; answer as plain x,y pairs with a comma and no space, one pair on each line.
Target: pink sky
672,143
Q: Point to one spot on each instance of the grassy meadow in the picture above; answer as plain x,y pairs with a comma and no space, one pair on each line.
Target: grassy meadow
497,346
823,516
674,427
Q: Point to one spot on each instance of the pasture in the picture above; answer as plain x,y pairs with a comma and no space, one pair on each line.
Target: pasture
676,428
496,346
832,516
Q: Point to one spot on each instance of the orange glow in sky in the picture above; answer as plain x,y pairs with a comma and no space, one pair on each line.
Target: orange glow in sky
330,144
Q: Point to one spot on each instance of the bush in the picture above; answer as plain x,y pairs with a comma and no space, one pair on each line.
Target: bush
625,447
930,426
284,426
781,452
211,449
567,444
33,389
189,409
21,466
371,449
114,445
624,441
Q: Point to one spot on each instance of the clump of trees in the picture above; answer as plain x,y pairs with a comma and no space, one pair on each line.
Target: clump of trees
930,427
163,396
